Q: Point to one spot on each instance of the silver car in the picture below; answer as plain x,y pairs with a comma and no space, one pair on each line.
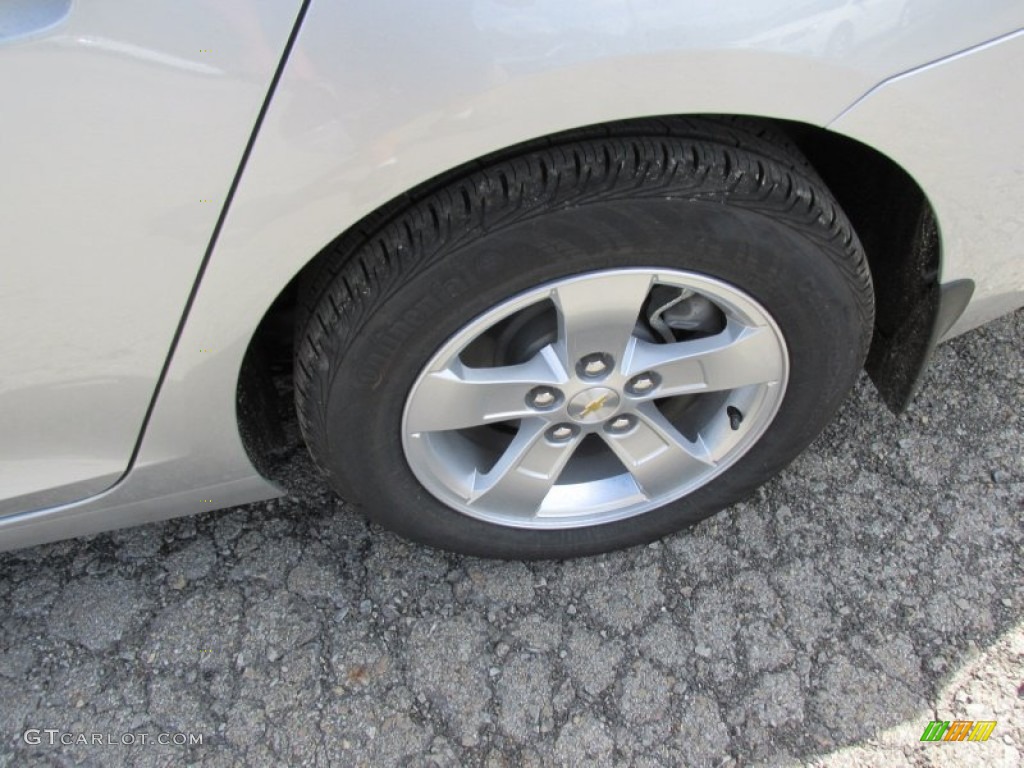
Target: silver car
535,279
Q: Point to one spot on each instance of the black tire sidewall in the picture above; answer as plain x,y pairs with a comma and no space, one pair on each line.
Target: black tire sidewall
798,278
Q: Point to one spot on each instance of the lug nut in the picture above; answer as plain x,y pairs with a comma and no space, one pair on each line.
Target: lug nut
643,383
594,366
543,397
561,433
620,424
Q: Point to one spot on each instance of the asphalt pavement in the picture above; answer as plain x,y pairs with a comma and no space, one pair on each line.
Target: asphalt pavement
874,586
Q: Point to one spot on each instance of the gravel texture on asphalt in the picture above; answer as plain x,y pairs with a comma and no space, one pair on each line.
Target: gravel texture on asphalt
874,586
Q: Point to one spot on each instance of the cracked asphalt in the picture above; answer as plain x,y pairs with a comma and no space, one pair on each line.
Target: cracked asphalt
874,586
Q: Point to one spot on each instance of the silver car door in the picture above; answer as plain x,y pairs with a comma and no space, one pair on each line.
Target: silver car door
121,130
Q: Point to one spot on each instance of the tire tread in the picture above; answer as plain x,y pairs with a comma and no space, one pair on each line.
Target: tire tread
735,161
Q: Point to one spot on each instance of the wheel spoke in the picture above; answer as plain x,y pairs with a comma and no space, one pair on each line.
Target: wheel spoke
459,397
656,454
599,314
736,357
524,474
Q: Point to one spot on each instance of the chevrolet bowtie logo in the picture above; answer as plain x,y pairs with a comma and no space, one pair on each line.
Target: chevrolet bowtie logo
595,405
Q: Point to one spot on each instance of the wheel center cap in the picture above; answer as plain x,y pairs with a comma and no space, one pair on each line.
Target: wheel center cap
593,405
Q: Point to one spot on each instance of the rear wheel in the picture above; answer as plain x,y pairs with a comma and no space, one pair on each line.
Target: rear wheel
585,347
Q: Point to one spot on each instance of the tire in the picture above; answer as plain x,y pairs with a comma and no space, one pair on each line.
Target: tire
739,228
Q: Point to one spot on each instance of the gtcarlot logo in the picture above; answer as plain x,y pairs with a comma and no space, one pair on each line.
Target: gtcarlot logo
54,737
958,730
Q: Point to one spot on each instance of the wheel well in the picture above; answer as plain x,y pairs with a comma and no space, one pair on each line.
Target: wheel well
903,254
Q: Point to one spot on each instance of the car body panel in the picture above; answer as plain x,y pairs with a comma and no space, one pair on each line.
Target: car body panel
123,126
379,97
971,170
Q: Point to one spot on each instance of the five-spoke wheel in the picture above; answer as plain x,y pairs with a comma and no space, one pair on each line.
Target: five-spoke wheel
605,418
586,345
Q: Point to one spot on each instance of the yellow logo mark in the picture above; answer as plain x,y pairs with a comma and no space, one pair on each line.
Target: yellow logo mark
595,405
982,730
